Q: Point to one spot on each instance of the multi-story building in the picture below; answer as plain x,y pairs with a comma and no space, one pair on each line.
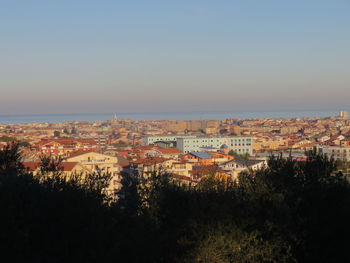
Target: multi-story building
64,146
343,114
341,153
147,140
239,144
186,144
96,162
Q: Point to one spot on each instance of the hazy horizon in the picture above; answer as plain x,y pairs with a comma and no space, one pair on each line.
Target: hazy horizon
149,116
61,57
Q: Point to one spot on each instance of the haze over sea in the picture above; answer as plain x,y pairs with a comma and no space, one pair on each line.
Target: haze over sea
214,115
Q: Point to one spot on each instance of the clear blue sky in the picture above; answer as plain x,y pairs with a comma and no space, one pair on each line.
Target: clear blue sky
82,56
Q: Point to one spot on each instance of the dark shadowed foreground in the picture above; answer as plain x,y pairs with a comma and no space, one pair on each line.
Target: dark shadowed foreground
289,212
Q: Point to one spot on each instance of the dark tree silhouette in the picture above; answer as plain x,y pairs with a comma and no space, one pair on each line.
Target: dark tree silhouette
288,212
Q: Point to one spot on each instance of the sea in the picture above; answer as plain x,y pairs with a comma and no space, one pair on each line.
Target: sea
212,115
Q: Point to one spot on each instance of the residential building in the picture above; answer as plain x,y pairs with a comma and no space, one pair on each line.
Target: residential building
239,144
206,158
343,114
66,168
236,166
341,153
147,140
64,146
96,162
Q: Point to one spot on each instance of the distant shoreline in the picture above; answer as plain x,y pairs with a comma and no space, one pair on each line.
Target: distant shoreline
148,116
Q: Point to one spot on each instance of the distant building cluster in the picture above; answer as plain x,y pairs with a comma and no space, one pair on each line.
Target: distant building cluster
188,150
344,114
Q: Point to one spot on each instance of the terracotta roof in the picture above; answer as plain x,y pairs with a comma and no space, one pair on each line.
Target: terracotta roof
182,177
65,166
169,150
80,152
31,166
68,166
153,160
65,141
122,161
124,153
145,148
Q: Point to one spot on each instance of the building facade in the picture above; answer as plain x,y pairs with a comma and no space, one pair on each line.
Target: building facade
147,140
239,144
186,144
344,114
341,153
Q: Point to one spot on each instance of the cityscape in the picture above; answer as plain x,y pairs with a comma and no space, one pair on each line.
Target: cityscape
183,148
175,131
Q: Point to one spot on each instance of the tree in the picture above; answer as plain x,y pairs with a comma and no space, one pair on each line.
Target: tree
244,156
74,130
24,144
287,212
5,138
223,131
120,144
56,133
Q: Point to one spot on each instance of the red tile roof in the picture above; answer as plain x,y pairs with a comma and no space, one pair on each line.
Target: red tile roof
169,150
31,166
68,166
65,141
79,152
149,161
65,166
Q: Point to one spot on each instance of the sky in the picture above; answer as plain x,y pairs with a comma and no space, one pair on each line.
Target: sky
85,56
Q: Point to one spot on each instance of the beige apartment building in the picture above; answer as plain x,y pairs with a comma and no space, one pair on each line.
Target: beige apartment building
269,143
96,162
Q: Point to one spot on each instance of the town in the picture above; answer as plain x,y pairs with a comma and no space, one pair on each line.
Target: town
188,150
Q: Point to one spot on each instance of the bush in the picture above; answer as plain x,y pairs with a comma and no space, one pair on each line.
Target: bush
288,212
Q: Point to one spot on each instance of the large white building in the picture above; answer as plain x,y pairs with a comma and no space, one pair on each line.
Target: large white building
239,144
337,152
147,140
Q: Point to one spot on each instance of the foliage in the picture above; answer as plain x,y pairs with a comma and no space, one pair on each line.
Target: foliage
244,156
24,144
223,131
9,139
120,144
289,212
56,133
5,138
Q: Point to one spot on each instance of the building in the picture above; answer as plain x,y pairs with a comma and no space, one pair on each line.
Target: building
66,168
236,166
64,146
239,144
96,162
206,158
154,150
80,170
147,140
191,125
341,153
343,114
186,144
